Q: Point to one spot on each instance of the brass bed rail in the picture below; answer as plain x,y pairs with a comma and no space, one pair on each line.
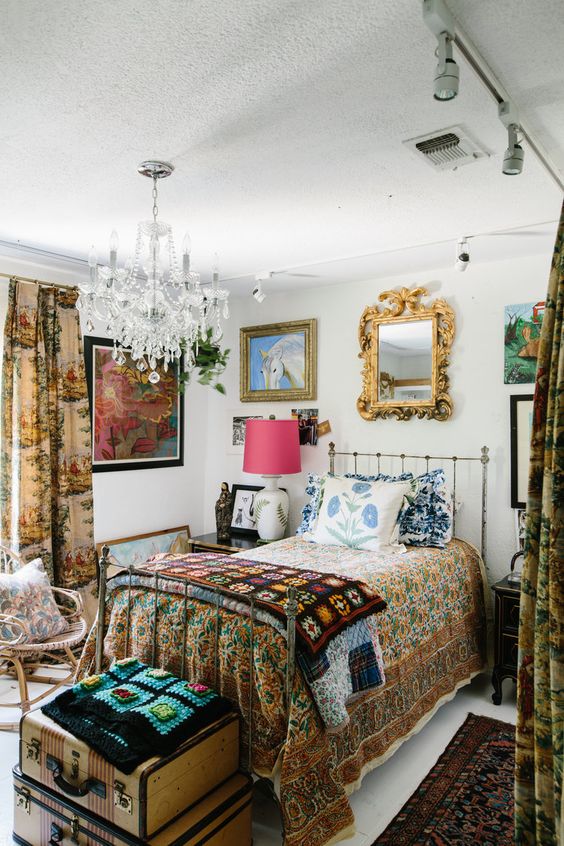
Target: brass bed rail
158,579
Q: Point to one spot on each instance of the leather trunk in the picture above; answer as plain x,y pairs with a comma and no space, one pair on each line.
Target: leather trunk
44,818
146,800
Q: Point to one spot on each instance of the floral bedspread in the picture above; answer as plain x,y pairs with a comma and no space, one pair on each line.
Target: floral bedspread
433,637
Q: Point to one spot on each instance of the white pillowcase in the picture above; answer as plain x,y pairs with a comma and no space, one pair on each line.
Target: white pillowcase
360,515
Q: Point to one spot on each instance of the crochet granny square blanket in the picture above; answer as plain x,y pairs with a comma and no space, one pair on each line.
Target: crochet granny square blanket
134,712
327,603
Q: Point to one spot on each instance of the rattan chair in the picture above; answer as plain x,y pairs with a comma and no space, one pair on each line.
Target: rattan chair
24,660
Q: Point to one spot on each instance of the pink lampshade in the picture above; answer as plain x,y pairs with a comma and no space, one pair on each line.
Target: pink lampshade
272,447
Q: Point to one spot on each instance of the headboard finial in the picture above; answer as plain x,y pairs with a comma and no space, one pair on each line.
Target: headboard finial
485,455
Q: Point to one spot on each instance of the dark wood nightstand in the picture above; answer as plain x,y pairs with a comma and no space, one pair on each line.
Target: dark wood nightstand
236,543
506,631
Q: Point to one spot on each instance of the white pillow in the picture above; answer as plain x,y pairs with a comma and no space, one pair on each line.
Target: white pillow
360,515
27,596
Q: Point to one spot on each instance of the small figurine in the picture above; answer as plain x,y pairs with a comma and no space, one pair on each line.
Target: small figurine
224,513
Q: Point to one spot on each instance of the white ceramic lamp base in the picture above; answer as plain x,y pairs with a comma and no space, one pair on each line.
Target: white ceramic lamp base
271,508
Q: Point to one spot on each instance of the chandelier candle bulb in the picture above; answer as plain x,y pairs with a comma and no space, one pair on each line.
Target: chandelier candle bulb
114,244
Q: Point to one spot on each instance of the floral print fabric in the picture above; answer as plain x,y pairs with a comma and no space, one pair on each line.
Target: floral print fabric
27,596
362,515
46,459
540,680
426,518
433,640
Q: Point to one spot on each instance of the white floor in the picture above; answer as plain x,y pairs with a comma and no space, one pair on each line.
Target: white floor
383,791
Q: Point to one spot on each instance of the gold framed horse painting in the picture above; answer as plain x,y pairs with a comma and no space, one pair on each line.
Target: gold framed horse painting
279,361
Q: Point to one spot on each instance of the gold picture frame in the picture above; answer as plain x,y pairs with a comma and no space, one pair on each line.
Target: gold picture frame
278,361
378,397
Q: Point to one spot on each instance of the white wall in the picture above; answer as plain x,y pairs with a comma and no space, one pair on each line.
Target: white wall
481,400
135,501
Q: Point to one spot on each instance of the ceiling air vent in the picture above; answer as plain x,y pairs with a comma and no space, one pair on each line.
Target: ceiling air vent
446,149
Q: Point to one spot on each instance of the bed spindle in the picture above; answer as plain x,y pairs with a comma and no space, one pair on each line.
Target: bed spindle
155,615
484,459
216,638
128,615
185,632
454,506
251,677
103,571
291,614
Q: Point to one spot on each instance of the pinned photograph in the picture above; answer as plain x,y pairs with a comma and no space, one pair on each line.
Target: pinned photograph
307,425
237,431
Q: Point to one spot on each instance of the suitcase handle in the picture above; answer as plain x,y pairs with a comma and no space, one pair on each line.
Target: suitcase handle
89,785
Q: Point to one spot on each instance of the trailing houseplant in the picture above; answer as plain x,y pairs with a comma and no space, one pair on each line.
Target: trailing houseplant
210,360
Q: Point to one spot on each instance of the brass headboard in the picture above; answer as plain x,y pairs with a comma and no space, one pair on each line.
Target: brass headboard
483,458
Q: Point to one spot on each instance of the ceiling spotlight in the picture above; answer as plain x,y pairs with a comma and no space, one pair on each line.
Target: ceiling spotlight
441,23
462,255
261,277
514,155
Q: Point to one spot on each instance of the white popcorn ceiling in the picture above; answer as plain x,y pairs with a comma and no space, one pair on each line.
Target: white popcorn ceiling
284,121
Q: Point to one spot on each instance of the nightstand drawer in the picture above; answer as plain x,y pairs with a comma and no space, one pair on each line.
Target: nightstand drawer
509,650
509,614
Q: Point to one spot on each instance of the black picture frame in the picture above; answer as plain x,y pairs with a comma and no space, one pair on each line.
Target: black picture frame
242,531
91,342
520,447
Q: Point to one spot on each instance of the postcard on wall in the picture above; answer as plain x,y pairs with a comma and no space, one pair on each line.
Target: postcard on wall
522,329
307,425
236,424
135,424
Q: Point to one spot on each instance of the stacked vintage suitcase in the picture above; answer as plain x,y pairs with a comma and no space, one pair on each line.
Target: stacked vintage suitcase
67,793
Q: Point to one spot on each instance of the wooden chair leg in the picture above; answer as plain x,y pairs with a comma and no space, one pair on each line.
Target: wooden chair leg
22,681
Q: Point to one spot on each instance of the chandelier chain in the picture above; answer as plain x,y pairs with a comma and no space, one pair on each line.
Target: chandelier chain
155,198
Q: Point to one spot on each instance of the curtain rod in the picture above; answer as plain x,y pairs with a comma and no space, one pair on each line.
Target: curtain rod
39,282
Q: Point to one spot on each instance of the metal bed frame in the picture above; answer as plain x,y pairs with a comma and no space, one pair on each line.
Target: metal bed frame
160,580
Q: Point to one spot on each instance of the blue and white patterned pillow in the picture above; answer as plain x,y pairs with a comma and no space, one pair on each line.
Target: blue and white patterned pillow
426,517
314,489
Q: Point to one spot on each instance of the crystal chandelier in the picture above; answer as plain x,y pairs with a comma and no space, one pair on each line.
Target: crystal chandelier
153,308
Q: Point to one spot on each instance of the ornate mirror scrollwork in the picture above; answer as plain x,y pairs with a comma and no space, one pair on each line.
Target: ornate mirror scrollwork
406,347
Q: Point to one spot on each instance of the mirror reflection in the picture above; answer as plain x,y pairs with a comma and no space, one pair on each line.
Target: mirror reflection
405,361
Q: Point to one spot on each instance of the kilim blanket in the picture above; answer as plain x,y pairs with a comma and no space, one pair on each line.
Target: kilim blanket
327,603
134,712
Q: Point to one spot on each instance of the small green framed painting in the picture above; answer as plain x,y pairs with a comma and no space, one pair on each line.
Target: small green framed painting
523,323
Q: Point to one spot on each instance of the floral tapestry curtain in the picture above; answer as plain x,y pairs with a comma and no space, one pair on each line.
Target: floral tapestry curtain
540,691
45,460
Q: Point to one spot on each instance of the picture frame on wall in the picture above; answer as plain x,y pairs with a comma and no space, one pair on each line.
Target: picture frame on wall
243,521
521,421
278,362
236,425
136,425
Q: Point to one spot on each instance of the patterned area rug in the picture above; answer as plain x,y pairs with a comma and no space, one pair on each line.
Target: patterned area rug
467,798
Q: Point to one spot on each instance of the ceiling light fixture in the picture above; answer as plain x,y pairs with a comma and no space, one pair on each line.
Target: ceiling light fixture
153,308
462,255
441,23
514,155
261,277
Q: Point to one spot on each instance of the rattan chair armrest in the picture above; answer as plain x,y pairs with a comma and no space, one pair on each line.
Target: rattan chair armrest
12,623
72,596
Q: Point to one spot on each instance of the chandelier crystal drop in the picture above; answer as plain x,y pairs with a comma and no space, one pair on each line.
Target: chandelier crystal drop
153,308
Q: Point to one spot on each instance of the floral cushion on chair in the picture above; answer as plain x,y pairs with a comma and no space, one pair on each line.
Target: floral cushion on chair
27,596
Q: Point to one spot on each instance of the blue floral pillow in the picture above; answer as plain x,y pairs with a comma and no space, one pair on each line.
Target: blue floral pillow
314,489
426,516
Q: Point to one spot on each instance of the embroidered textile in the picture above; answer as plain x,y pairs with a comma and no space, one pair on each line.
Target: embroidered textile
134,712
326,602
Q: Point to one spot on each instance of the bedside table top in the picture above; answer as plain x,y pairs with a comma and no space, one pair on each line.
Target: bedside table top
238,542
506,586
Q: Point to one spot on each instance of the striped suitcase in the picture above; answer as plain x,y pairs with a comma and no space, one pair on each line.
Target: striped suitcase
146,800
44,818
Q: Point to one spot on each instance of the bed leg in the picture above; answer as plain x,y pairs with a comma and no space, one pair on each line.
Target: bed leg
102,581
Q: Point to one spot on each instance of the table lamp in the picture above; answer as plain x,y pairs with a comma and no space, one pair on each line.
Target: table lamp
272,449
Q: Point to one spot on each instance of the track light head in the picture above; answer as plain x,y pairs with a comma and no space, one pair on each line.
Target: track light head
261,277
441,23
447,74
462,255
514,155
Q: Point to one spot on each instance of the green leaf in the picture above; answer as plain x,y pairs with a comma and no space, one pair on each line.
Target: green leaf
282,516
338,535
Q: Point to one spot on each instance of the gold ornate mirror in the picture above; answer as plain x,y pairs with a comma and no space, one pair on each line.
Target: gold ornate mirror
406,348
